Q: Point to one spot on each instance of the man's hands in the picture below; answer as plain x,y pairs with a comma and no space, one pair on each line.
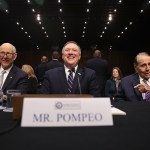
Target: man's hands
142,87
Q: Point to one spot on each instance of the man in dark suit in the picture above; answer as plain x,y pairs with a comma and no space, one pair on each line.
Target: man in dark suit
84,79
101,68
41,68
54,63
133,86
14,78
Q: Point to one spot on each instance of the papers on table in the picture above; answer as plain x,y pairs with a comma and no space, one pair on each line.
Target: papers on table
116,111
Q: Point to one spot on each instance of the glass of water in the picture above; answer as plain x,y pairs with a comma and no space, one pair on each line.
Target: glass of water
10,94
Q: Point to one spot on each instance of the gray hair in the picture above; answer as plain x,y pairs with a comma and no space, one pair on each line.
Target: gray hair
73,43
137,57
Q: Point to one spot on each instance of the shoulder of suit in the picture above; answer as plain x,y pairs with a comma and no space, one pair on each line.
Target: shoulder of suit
85,69
56,69
16,69
130,77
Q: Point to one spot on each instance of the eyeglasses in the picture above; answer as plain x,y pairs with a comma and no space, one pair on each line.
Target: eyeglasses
2,54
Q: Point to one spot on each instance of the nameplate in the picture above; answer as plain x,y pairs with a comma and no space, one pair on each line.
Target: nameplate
65,112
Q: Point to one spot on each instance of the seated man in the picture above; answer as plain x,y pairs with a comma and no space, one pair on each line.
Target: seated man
136,87
11,77
70,79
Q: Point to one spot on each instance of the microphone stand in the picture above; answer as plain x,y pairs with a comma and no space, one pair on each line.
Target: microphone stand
79,84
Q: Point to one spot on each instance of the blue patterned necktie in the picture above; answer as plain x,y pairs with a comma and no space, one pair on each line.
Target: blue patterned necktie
70,81
147,94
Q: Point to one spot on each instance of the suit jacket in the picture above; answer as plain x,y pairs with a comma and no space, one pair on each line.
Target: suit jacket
111,90
55,82
130,93
40,71
101,68
16,79
33,84
54,64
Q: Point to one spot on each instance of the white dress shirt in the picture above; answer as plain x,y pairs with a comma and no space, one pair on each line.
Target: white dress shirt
67,71
5,74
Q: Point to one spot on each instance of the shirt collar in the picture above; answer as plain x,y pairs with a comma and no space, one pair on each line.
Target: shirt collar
7,70
67,69
141,79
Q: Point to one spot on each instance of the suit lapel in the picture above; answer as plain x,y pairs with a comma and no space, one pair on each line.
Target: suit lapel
135,82
10,77
62,78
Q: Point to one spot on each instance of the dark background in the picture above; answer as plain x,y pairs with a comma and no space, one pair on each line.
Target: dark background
120,51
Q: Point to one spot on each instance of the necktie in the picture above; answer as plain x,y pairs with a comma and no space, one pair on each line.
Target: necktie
147,94
70,81
1,77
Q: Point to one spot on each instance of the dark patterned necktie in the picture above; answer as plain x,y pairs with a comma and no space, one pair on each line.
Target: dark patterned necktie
147,94
70,81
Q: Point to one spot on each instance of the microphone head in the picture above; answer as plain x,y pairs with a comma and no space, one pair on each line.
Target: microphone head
79,73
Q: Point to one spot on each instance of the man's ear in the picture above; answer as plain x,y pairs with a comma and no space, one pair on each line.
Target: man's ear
15,56
80,57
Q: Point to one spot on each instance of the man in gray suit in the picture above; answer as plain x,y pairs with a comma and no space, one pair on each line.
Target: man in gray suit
84,79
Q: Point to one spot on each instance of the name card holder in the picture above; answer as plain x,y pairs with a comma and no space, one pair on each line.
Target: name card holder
66,112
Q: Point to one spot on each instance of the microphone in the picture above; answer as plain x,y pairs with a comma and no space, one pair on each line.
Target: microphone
79,82
78,74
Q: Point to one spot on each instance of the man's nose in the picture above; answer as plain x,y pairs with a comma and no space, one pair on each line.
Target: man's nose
147,66
70,51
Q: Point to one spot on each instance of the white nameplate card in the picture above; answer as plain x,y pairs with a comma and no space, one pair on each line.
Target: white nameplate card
65,112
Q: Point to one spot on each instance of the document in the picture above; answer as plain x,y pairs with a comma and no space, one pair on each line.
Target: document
116,111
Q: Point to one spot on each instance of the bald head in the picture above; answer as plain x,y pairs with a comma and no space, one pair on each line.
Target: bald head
55,55
97,53
8,46
44,59
7,55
